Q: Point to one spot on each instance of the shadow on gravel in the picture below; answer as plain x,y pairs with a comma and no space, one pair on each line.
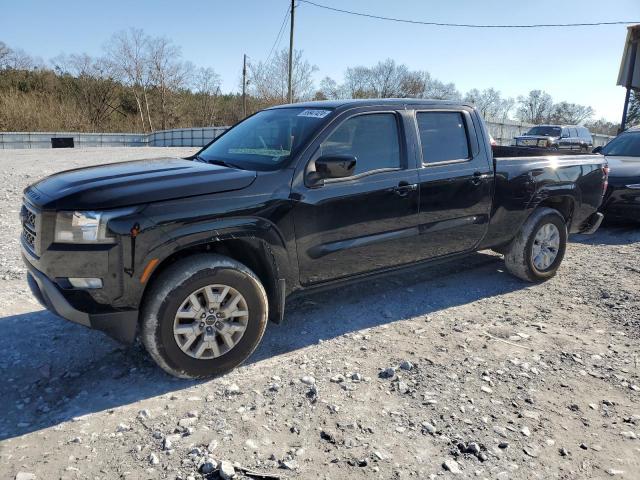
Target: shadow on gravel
370,303
54,371
611,233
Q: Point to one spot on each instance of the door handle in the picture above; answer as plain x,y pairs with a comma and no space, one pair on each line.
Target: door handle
403,188
478,177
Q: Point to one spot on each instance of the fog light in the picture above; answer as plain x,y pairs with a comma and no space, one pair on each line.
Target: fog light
86,282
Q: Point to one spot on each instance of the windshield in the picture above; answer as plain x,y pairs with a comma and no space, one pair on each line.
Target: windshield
267,139
625,145
545,131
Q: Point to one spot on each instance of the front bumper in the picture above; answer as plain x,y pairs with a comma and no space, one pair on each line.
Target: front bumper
622,203
623,211
118,324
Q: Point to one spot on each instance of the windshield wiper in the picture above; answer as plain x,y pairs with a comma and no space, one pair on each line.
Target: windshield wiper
222,163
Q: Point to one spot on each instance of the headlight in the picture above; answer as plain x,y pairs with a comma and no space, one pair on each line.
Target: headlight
86,227
634,186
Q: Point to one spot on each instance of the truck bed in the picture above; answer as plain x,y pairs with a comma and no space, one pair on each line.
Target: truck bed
513,151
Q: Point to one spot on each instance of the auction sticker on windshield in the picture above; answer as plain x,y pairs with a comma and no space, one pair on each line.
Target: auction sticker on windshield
314,113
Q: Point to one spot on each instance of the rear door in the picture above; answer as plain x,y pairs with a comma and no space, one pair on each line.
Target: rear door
456,182
364,222
575,138
565,139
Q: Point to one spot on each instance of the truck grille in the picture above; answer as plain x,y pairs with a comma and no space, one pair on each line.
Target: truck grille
29,219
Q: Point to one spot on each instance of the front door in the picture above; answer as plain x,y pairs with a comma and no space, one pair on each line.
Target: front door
364,222
456,182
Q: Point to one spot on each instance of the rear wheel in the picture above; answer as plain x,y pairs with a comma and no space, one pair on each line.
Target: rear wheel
204,316
537,251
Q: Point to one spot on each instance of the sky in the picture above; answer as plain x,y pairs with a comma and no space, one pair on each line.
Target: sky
578,65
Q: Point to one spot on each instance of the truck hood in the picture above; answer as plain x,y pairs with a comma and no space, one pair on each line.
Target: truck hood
623,170
133,183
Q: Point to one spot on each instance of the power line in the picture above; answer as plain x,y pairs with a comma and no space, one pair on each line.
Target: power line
463,25
279,36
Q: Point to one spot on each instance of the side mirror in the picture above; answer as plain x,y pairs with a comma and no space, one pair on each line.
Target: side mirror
333,166
597,150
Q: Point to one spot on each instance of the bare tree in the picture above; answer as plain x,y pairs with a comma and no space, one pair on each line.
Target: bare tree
206,83
439,90
357,82
388,79
535,107
127,52
5,53
506,105
571,113
168,73
91,85
268,82
603,126
488,102
16,59
329,90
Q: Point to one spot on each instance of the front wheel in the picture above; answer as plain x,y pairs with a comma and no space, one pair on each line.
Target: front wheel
203,316
535,254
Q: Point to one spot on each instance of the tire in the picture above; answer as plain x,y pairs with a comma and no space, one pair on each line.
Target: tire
519,258
174,288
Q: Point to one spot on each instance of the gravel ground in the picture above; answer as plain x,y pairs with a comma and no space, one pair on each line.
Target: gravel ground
460,371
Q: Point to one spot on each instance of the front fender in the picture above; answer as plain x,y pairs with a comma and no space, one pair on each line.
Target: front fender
193,234
260,236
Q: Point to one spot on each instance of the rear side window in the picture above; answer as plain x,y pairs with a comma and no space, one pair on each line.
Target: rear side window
573,131
443,136
371,138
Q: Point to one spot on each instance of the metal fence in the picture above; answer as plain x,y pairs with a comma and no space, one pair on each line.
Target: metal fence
184,137
503,133
80,140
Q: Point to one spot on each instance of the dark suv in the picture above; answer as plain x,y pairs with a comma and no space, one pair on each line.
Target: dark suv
556,137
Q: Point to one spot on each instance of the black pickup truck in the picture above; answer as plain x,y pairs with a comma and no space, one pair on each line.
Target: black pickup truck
195,255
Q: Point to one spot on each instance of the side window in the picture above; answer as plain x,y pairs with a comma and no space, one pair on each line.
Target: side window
443,136
371,138
574,133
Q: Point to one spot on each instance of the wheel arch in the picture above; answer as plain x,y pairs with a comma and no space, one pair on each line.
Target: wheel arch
257,245
565,204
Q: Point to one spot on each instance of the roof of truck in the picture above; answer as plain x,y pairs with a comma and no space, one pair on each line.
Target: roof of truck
365,102
559,125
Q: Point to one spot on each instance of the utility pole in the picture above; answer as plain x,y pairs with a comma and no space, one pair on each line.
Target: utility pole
290,91
244,86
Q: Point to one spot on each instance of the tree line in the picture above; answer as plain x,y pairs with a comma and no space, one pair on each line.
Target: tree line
142,83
